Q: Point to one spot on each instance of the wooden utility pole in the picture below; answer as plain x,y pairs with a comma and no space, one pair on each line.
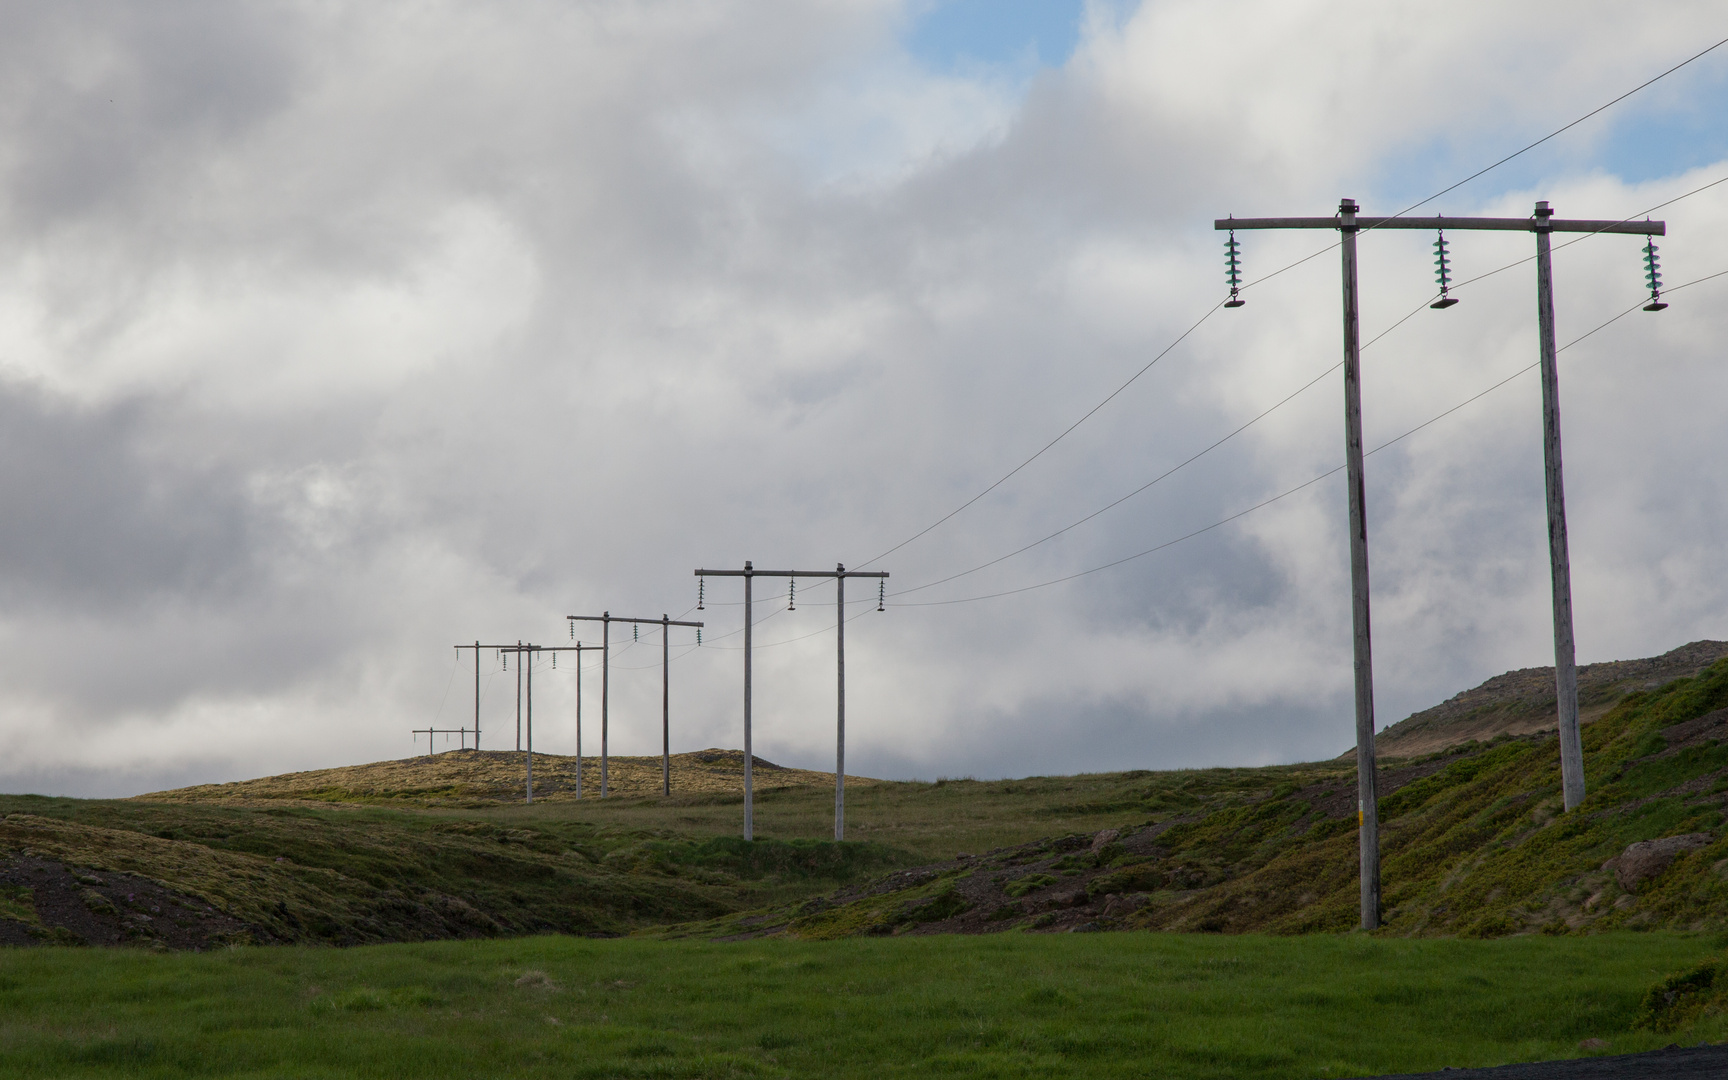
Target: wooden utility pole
1348,223
1559,555
525,659
839,574
579,649
606,619
502,649
476,647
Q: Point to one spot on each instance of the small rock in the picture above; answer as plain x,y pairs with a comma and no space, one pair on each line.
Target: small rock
1105,836
1085,928
1120,905
964,855
1593,1044
1070,898
1644,860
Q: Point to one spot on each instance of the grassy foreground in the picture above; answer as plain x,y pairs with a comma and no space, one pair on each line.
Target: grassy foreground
1092,1005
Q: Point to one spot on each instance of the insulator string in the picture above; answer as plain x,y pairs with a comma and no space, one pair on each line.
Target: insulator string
1232,270
1653,275
1442,272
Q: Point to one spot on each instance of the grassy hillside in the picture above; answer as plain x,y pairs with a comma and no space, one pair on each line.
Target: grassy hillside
1474,844
349,875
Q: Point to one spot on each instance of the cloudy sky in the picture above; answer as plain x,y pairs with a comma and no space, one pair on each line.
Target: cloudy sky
333,334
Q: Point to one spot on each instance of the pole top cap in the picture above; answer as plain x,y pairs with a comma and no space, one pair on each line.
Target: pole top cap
1347,206
1542,209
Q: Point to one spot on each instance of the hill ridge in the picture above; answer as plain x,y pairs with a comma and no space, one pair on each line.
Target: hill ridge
468,777
1522,701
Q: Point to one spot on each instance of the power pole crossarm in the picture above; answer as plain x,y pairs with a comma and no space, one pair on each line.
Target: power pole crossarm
1430,224
785,573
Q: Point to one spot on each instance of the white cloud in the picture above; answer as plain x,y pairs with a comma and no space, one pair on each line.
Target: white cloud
351,332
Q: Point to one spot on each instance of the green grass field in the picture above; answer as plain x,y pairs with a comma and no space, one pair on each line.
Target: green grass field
1080,1005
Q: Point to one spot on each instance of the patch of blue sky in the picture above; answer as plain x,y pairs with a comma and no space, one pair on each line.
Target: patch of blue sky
1003,37
1666,130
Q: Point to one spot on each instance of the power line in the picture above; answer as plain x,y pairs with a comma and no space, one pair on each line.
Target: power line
1214,309
1282,402
1065,433
1562,130
1305,484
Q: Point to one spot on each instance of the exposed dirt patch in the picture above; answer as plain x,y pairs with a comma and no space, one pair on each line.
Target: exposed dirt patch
46,902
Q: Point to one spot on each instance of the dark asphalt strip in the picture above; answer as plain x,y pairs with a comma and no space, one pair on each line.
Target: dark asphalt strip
1690,1063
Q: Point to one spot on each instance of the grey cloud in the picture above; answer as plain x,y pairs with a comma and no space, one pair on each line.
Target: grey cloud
112,106
94,524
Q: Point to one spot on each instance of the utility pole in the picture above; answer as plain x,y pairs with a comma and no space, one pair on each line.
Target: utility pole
502,649
525,659
606,619
1542,223
476,647
579,649
839,574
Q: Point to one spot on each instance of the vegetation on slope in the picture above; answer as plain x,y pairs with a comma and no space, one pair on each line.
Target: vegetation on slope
353,875
1474,844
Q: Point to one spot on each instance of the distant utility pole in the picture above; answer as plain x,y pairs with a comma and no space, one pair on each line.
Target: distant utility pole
1543,224
839,574
606,619
579,649
525,659
476,647
502,649
461,733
